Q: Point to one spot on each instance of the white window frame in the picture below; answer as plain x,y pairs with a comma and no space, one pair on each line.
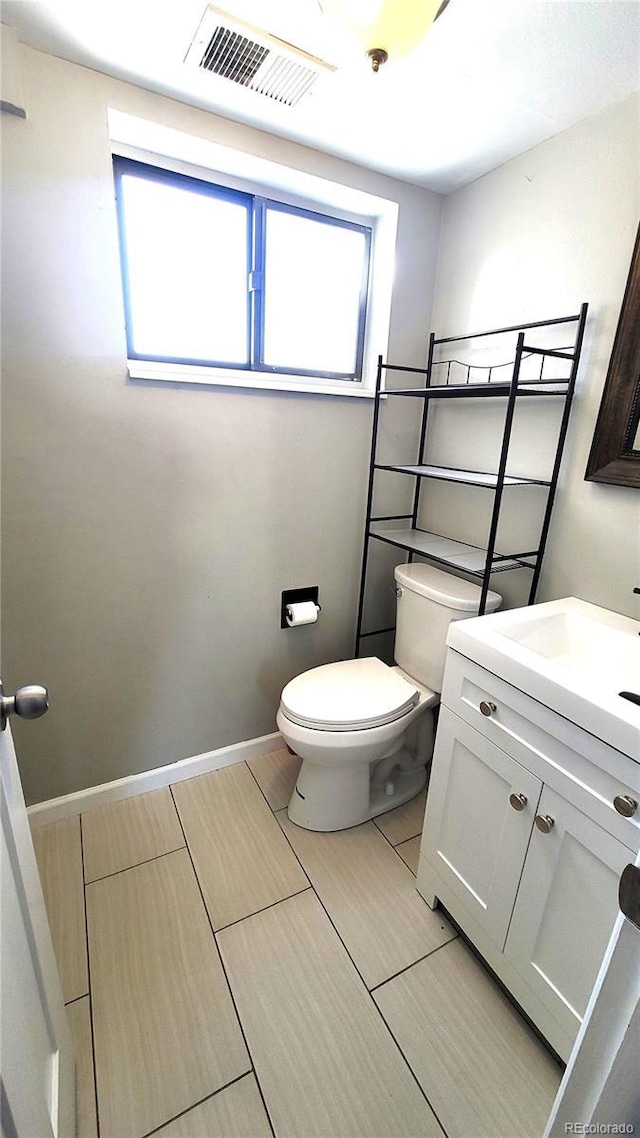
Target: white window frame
132,137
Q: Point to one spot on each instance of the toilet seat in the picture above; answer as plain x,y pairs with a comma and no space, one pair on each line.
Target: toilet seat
350,695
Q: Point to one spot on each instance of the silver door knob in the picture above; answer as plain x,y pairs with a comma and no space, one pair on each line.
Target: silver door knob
625,805
29,702
518,801
545,823
487,708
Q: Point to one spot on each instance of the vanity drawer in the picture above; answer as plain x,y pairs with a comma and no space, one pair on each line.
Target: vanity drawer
578,765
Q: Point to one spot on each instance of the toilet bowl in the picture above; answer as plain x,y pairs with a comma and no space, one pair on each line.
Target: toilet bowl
344,778
363,729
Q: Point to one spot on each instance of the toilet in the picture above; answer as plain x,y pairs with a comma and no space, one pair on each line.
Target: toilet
365,730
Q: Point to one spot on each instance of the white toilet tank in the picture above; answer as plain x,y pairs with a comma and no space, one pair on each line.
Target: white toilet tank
428,600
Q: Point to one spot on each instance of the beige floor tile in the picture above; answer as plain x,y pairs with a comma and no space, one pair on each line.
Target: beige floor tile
404,822
327,1066
242,860
276,774
410,852
235,1112
165,1032
125,833
79,1017
483,1070
59,855
371,898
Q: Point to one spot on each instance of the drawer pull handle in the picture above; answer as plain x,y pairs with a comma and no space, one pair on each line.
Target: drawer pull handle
545,823
487,708
625,805
518,801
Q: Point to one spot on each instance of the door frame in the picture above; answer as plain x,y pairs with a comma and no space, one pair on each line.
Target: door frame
40,969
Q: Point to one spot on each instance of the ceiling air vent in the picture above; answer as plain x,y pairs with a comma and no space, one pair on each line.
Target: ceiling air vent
254,58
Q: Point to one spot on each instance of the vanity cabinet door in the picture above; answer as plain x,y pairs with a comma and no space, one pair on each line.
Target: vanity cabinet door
474,837
566,907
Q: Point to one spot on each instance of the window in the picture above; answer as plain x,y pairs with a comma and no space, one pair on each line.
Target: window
224,279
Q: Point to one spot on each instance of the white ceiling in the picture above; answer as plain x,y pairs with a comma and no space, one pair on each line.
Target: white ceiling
490,80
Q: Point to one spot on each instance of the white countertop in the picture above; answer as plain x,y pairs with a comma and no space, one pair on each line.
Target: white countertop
572,656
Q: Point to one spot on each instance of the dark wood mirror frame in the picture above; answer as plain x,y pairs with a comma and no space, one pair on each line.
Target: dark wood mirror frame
613,458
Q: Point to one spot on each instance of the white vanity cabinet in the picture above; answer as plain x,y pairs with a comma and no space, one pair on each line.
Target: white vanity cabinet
523,842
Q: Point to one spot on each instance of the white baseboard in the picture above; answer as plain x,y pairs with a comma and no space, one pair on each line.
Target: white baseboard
69,805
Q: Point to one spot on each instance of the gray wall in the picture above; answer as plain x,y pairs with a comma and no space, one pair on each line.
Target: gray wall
532,240
149,530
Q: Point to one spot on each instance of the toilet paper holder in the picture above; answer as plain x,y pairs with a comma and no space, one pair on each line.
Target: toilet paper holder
292,597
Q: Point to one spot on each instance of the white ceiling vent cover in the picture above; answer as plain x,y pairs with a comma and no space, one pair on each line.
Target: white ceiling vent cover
254,58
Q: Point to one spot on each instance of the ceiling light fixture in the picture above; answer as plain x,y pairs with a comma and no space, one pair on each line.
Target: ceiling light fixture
386,28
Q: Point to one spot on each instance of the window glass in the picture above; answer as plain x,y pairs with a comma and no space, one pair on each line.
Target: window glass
186,273
313,285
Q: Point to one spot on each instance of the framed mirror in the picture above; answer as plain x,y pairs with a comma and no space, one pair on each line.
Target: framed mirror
615,450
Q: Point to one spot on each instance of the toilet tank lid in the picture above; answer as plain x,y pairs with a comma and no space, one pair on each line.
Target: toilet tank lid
444,588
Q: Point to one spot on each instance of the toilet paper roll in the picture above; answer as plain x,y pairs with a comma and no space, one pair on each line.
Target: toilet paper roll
303,612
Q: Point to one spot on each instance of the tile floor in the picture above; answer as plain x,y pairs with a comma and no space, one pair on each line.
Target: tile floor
230,975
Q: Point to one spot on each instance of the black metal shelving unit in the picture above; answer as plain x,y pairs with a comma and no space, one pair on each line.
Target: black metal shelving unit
479,562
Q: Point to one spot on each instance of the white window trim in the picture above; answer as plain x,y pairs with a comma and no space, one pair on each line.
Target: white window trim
146,141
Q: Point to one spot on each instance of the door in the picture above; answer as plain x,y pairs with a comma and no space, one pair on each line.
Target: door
38,1081
566,907
480,810
600,1085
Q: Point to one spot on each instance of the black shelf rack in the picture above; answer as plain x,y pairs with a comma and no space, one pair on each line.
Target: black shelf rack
478,562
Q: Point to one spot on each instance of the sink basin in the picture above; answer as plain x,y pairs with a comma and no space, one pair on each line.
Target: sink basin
573,656
582,644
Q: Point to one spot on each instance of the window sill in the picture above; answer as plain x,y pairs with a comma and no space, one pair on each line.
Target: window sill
260,381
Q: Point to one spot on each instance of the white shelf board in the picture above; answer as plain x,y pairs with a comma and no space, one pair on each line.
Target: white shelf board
469,558
495,389
469,477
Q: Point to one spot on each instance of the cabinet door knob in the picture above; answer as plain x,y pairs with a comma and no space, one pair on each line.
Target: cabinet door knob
518,801
487,708
545,823
625,805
